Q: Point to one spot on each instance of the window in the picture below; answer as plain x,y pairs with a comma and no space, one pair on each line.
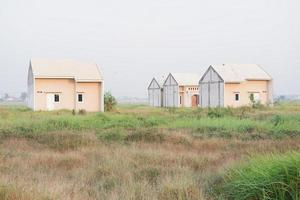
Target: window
180,100
80,98
56,98
237,96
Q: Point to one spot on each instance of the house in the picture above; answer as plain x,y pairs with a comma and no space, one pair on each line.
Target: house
155,92
235,85
181,90
65,84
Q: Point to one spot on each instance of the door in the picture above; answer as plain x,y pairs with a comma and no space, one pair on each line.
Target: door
50,102
195,100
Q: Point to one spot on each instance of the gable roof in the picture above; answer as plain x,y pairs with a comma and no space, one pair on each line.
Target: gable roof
81,72
186,78
160,81
231,73
155,81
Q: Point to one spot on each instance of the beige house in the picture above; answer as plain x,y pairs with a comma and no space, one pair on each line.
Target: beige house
234,85
65,84
181,90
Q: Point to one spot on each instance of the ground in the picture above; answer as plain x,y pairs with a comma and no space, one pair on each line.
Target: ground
135,152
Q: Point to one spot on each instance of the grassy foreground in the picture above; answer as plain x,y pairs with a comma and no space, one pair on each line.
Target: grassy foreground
264,177
137,152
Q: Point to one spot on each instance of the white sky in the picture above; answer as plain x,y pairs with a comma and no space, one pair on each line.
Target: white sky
134,40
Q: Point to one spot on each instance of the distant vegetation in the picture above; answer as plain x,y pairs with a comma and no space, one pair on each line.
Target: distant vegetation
138,152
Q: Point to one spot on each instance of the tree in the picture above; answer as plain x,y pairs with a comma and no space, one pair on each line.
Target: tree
110,101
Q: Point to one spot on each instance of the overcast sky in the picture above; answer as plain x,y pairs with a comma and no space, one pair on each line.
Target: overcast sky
134,40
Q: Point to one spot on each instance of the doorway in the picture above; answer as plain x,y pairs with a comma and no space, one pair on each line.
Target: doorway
195,100
50,101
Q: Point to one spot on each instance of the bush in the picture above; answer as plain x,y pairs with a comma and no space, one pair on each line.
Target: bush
261,178
110,102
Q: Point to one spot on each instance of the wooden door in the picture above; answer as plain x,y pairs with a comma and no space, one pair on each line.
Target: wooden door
195,99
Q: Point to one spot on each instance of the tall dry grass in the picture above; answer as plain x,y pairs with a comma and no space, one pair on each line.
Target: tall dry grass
135,152
136,170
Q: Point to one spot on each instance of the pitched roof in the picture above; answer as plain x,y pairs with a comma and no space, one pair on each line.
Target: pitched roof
187,78
155,82
241,72
81,72
160,80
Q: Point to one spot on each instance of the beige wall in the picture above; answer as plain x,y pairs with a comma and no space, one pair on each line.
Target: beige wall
245,89
186,92
66,89
91,96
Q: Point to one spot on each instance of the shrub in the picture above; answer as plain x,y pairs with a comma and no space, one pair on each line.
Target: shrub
110,102
264,177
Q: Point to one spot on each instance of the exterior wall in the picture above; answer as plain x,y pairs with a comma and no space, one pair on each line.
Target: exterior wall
154,94
30,89
270,93
91,96
154,97
186,93
211,88
245,89
101,97
171,92
64,87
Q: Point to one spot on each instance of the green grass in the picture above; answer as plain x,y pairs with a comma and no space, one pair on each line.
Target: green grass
243,122
263,177
138,152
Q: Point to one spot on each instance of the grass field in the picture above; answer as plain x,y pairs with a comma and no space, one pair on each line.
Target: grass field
137,152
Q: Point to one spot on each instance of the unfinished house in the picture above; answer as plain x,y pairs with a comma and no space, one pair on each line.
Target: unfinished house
234,85
65,84
155,93
181,90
